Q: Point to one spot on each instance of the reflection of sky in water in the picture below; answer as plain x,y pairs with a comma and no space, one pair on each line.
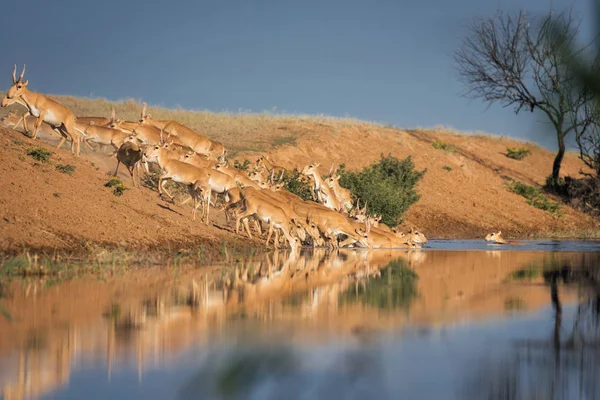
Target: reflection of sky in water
413,364
528,245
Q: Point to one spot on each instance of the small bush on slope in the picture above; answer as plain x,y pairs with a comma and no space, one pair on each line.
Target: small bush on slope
388,187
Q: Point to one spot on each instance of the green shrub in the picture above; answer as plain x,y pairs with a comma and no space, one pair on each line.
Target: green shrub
388,186
65,169
534,197
39,153
298,184
242,166
517,154
447,168
118,186
439,145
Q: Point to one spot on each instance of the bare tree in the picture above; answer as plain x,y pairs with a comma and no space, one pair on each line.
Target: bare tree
585,68
515,59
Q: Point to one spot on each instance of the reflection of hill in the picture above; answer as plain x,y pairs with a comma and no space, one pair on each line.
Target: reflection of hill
141,318
466,283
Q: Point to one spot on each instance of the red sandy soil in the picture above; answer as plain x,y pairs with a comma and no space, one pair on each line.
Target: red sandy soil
42,208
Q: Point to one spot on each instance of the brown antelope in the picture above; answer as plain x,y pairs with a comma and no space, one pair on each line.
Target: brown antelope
103,135
378,239
358,214
199,160
266,163
60,118
130,155
414,235
269,213
329,222
496,238
146,118
179,171
12,120
375,220
302,225
145,133
343,195
237,176
195,141
304,222
325,194
99,121
258,175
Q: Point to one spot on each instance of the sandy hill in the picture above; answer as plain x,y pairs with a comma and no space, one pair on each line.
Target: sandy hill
462,194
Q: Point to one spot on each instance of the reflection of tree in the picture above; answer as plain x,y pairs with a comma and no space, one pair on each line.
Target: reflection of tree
565,366
394,288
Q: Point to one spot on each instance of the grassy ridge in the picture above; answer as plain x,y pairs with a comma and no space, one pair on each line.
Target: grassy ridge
237,131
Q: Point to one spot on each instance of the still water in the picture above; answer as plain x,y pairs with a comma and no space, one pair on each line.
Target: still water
456,320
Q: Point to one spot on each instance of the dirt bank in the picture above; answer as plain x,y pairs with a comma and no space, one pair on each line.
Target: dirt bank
463,193
45,209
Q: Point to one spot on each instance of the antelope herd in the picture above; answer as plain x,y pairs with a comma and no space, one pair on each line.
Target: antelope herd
192,159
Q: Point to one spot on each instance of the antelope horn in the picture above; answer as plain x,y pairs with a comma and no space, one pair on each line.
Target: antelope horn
331,169
144,105
161,136
281,176
15,74
22,73
271,179
112,115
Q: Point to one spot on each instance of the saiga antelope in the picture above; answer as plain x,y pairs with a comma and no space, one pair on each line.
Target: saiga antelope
195,141
60,118
496,238
343,195
273,215
103,135
130,155
325,194
208,180
12,120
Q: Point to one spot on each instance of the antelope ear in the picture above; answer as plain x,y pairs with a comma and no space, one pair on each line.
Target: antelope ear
499,233
26,82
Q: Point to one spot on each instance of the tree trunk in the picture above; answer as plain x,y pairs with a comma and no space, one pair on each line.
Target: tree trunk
559,157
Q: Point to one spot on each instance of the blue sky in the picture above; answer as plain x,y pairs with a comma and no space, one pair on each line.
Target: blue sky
379,60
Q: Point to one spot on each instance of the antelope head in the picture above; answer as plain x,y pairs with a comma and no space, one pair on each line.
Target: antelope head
311,169
10,119
152,153
220,167
374,220
18,87
299,229
494,237
312,229
416,236
363,233
333,181
144,117
359,214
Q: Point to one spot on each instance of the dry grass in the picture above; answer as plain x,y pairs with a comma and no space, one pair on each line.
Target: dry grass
238,131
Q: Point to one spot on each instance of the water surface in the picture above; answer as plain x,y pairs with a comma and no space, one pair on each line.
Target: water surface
458,319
